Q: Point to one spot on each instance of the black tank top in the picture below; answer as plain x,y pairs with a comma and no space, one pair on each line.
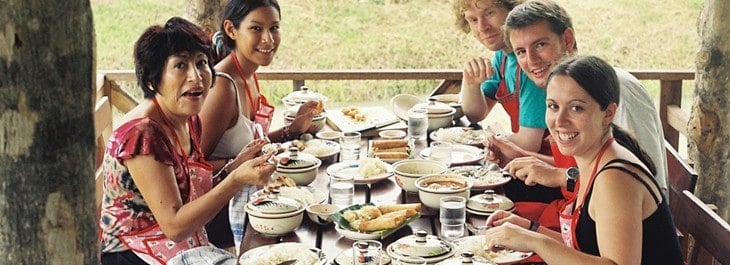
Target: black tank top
660,244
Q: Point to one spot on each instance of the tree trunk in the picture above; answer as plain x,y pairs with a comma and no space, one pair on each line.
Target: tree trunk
206,13
46,133
709,124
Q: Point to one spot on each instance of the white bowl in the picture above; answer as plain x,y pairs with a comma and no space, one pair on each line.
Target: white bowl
401,103
407,171
303,176
329,135
272,223
441,120
318,122
392,134
449,185
321,213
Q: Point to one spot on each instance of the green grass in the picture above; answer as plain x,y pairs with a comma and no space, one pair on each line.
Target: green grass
390,34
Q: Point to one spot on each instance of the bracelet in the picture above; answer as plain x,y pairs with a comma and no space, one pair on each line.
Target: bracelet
534,225
223,172
286,133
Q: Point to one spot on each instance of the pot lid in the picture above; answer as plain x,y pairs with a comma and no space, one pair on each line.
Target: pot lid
272,203
296,160
489,202
303,95
421,244
291,112
435,107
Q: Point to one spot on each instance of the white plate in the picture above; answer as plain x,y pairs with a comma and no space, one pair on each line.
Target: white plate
319,196
342,226
351,168
460,154
290,250
430,260
328,148
483,179
460,135
345,257
474,244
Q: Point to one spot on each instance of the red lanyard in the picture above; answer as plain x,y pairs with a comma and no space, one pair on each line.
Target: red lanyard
254,105
174,136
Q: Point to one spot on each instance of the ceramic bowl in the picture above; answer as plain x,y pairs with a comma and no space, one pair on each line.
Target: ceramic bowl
432,187
329,135
392,134
458,110
275,216
318,122
321,213
301,96
401,103
407,171
302,167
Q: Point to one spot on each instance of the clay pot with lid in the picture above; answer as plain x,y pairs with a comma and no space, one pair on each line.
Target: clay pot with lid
273,215
299,166
301,96
453,101
440,115
489,202
421,244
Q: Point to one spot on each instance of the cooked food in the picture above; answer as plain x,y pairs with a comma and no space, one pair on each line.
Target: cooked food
371,166
389,144
444,185
371,218
354,114
391,155
300,193
280,181
314,147
270,148
280,253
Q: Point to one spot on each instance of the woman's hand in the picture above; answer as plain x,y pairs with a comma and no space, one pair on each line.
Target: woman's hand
303,121
533,171
251,150
256,171
511,236
501,217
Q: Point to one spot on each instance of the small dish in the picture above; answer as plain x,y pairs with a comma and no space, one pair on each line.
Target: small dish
342,226
460,154
345,258
321,213
352,168
392,134
483,178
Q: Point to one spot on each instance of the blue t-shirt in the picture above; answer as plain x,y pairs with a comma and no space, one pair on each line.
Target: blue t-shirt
532,97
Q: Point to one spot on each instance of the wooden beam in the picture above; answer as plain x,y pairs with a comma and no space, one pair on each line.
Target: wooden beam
670,94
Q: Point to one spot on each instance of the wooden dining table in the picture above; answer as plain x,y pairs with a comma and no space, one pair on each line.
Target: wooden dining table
329,241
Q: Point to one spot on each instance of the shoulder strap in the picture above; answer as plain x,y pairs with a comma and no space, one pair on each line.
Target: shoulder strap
235,88
631,173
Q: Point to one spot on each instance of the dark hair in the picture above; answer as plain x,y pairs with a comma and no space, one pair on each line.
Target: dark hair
599,80
458,7
237,10
158,42
534,11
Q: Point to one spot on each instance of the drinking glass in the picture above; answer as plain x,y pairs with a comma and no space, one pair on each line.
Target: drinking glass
366,252
441,152
350,146
409,260
452,214
342,189
417,123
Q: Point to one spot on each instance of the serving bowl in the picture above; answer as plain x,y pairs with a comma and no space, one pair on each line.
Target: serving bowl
274,215
318,121
329,135
401,103
453,101
440,115
301,167
407,171
321,213
432,187
301,96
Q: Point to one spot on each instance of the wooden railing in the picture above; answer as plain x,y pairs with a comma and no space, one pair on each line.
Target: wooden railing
674,119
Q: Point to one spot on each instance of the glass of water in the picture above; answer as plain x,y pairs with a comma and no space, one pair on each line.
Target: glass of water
441,152
417,123
452,215
366,252
342,189
350,146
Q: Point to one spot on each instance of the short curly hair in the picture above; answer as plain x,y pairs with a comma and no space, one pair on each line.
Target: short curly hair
159,42
460,6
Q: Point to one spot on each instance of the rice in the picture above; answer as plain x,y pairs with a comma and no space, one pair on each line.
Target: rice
371,166
283,252
318,148
300,193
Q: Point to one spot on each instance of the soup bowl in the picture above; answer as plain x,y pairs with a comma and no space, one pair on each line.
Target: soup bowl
432,187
